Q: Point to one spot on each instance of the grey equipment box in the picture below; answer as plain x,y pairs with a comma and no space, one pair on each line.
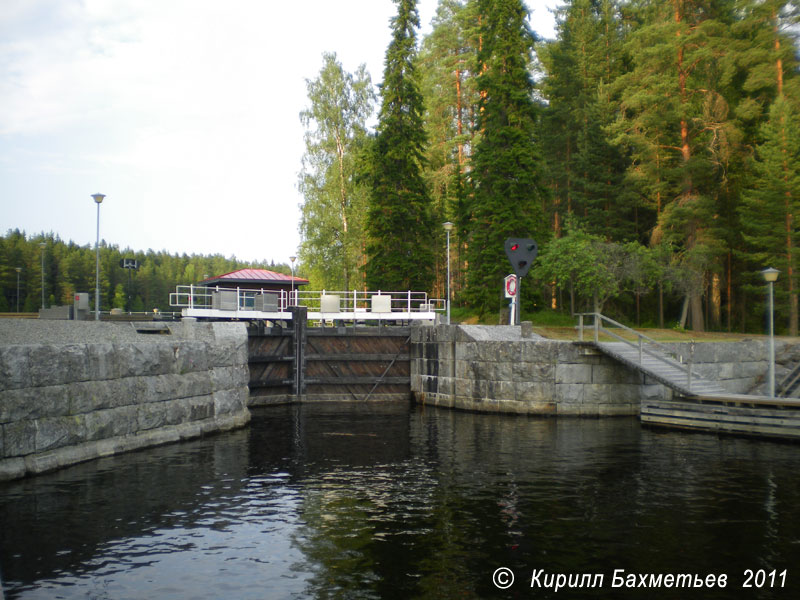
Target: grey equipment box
225,300
266,302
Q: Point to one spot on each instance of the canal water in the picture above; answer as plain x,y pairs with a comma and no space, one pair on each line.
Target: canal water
376,501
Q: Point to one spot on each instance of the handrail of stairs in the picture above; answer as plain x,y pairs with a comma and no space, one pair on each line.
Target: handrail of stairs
789,382
597,326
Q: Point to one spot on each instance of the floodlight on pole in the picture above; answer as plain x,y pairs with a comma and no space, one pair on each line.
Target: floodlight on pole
42,245
770,275
98,198
292,258
18,269
448,227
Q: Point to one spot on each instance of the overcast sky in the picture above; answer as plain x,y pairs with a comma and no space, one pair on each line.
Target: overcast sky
183,112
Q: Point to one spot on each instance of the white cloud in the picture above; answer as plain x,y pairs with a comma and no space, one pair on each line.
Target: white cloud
184,112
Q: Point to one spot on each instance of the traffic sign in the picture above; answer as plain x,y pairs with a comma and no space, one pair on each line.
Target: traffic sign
510,285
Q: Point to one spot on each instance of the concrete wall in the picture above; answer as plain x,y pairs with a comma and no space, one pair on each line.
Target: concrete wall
72,391
497,370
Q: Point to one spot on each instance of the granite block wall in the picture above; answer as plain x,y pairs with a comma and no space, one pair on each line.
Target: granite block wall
73,391
498,370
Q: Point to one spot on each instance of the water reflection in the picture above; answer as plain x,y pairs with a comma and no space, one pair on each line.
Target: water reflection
385,502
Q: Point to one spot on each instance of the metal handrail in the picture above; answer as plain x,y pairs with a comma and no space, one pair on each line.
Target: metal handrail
193,296
675,362
789,382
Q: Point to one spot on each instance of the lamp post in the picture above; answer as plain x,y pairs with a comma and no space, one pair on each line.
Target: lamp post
292,258
448,227
18,269
98,198
42,245
770,275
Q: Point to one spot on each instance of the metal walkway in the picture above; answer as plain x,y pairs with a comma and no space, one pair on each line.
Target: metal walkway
661,367
651,358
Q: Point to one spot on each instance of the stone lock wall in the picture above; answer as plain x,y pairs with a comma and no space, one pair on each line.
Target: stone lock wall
496,369
73,391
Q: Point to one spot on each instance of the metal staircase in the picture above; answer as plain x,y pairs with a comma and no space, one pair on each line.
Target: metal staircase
648,356
789,387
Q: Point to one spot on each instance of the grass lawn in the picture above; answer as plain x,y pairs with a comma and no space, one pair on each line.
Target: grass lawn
560,326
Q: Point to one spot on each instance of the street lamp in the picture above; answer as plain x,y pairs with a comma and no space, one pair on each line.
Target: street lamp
98,198
292,258
770,275
448,227
42,245
18,269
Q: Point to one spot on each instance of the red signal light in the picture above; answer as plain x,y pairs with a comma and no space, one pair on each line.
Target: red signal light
515,247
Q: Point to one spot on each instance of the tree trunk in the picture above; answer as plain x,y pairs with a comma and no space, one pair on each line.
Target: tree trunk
715,321
684,311
696,306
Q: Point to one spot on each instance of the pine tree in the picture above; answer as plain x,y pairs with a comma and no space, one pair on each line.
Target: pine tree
507,166
447,61
399,218
677,121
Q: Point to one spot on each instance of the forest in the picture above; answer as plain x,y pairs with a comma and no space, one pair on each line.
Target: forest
67,268
651,149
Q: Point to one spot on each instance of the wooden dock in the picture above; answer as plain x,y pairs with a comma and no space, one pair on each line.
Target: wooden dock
701,404
727,413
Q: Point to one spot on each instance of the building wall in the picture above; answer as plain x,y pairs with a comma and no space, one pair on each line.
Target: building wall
74,391
498,370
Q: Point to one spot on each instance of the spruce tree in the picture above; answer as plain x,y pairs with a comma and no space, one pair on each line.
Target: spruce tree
399,221
770,206
507,166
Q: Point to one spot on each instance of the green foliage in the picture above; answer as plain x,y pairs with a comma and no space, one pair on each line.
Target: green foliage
333,212
70,268
399,217
120,297
584,263
507,167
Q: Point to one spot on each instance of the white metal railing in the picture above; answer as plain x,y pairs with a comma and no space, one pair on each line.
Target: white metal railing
202,297
668,357
326,302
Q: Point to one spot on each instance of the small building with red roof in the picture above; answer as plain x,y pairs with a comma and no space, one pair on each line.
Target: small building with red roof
256,280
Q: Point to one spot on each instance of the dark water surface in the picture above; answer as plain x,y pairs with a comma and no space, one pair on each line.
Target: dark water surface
399,502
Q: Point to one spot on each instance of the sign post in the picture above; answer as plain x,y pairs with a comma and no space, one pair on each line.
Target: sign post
521,252
510,284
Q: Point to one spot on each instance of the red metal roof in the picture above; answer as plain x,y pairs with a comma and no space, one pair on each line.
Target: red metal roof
255,276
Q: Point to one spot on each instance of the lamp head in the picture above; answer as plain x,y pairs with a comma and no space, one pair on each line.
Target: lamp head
770,275
98,197
448,226
292,258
